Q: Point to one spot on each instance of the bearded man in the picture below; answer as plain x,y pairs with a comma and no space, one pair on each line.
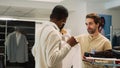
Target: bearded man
94,40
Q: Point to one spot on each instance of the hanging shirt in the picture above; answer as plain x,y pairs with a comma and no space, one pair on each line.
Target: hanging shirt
16,51
18,36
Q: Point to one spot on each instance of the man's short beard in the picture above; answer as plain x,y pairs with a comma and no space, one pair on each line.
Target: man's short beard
91,31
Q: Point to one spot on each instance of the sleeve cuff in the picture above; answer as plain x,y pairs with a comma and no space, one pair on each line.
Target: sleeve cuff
66,44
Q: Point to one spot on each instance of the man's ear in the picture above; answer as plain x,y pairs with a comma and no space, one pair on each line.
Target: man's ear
98,24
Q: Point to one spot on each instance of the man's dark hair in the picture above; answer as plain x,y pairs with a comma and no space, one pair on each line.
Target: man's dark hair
59,12
95,17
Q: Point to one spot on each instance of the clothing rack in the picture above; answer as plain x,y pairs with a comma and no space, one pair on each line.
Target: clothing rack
114,31
8,26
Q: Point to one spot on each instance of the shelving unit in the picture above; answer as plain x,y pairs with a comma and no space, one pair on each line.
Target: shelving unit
8,26
2,39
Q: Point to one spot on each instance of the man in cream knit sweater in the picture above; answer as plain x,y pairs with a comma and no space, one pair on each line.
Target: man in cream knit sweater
47,49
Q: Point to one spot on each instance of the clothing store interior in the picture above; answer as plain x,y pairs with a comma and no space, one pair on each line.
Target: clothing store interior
21,21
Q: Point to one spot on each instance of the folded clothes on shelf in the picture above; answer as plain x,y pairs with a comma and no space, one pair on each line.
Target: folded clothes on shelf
105,54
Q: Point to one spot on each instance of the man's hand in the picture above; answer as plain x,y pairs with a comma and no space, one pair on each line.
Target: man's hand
72,41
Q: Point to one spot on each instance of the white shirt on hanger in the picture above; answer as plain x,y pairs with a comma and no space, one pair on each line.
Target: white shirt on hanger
18,36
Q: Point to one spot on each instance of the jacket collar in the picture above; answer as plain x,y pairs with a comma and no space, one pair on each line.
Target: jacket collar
54,25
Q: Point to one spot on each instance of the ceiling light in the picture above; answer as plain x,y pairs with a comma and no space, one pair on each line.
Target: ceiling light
7,18
55,1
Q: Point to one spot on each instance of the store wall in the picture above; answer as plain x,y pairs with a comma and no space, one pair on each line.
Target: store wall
76,19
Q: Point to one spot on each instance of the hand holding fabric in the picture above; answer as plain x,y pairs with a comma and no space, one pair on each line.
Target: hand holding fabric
72,41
